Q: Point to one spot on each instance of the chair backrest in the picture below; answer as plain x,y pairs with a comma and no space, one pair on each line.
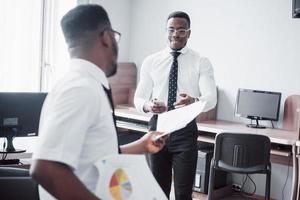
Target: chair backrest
291,119
16,183
242,153
123,83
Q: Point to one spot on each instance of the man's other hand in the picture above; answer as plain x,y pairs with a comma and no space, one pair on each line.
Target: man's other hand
184,100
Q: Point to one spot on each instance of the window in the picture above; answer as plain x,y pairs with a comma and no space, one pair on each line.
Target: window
33,54
20,40
56,57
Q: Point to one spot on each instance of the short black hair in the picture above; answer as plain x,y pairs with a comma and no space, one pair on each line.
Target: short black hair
180,14
82,18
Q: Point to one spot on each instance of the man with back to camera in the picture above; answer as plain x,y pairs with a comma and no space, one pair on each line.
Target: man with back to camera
176,69
77,127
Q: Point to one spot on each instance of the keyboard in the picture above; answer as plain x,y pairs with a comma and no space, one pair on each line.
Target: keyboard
130,124
10,162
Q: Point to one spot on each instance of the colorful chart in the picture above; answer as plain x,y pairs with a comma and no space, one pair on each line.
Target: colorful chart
120,187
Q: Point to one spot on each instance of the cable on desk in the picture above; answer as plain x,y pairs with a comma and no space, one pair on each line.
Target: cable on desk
4,155
272,123
287,176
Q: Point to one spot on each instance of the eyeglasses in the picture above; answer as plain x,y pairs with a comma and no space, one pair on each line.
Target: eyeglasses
117,35
180,32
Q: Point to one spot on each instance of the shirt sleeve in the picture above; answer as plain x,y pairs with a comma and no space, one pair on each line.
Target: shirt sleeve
66,118
144,89
207,84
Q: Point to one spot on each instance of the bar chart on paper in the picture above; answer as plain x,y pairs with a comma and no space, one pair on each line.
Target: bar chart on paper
120,186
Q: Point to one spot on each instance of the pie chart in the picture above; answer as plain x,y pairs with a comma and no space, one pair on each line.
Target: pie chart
119,186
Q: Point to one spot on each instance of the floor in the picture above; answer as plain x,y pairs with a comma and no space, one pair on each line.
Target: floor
201,196
196,195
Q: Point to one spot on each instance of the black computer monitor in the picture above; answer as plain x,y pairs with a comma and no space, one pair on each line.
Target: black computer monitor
19,116
258,105
296,8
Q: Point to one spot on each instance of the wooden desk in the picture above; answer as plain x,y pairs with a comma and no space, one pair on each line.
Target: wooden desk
24,160
129,118
27,143
277,136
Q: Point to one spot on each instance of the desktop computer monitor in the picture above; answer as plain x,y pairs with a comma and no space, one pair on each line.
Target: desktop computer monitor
296,8
257,105
19,116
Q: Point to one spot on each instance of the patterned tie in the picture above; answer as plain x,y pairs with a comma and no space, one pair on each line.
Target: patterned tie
173,81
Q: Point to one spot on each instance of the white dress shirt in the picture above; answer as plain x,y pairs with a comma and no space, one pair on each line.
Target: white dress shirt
76,125
195,78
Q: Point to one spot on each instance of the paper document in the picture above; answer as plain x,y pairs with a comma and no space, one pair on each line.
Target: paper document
176,119
126,177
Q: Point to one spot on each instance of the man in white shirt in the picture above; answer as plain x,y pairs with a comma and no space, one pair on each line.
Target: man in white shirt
77,127
193,78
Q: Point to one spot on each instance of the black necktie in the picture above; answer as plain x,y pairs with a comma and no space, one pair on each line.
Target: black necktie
109,96
173,81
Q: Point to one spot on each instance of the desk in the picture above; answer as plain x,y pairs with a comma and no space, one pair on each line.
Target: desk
27,143
129,118
277,136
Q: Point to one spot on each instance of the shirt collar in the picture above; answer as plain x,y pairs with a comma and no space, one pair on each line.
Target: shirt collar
92,69
182,51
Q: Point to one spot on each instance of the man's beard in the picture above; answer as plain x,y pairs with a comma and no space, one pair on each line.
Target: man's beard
114,65
112,70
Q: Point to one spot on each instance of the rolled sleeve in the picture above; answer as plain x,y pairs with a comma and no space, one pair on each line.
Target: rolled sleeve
207,85
144,89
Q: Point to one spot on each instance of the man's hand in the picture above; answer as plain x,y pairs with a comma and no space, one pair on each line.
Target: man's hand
155,106
184,100
150,143
146,144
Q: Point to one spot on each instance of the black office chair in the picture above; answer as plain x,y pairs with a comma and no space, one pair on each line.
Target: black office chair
16,184
241,153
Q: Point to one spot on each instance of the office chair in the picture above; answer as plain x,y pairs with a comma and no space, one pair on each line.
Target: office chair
16,184
241,153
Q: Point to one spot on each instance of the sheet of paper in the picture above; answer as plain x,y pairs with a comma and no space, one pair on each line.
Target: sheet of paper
176,119
126,177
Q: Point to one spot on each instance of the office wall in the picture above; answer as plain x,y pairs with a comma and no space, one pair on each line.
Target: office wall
119,12
252,44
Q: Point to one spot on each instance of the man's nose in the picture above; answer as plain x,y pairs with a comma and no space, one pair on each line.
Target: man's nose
175,33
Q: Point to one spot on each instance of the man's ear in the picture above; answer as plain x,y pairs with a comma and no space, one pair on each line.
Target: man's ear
106,39
189,34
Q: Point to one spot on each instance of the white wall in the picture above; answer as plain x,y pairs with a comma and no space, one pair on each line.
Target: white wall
119,14
252,44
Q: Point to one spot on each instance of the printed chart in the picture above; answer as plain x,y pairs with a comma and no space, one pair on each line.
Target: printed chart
120,186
